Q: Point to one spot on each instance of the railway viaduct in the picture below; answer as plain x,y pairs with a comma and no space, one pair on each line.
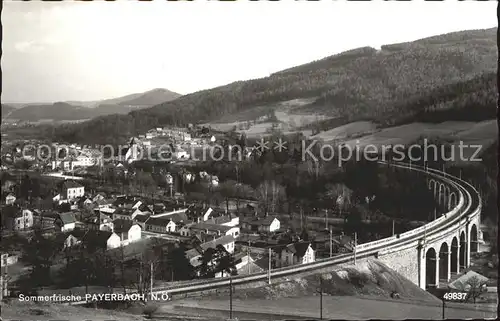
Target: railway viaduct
427,255
448,241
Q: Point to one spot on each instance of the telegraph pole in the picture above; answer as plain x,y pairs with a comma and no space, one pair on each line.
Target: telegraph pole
248,257
331,243
230,296
443,310
326,218
393,227
140,277
269,270
301,218
355,243
320,298
152,280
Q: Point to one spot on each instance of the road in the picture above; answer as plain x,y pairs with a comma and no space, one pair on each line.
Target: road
336,307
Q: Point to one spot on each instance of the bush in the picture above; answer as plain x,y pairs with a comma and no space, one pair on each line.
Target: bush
149,310
358,279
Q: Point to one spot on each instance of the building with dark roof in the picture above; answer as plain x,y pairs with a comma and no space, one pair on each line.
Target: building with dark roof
162,224
193,255
127,230
99,222
65,222
296,253
103,240
213,229
71,190
141,220
16,219
67,240
267,224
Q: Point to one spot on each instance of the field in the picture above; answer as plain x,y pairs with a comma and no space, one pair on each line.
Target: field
257,118
469,133
340,308
347,131
17,310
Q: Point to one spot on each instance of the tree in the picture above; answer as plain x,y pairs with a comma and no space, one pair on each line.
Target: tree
243,191
225,261
355,219
178,264
227,190
39,253
141,268
145,182
207,266
340,194
304,235
473,286
270,195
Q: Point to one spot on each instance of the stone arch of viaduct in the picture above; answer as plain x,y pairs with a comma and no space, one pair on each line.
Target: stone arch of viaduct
444,257
437,257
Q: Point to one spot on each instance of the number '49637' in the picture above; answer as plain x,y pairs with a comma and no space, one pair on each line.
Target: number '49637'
455,296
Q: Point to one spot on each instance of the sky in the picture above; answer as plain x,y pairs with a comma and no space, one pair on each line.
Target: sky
97,50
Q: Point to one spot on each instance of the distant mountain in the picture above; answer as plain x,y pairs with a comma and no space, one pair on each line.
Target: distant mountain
145,99
63,111
109,109
6,110
56,111
389,85
86,110
151,98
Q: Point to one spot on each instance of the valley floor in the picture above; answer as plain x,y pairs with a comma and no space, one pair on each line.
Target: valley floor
334,307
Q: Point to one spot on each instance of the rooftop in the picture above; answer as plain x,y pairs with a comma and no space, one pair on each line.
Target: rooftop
121,225
462,282
97,239
226,239
67,217
141,218
210,227
158,221
70,184
299,248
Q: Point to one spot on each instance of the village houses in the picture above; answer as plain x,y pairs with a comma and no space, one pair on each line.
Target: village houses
65,222
296,253
161,224
16,219
10,199
268,224
71,190
104,240
196,253
127,230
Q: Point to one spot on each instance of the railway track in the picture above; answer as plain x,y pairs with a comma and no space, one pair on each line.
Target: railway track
469,204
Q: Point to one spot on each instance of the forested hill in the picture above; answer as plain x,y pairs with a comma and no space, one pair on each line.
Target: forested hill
6,110
362,83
